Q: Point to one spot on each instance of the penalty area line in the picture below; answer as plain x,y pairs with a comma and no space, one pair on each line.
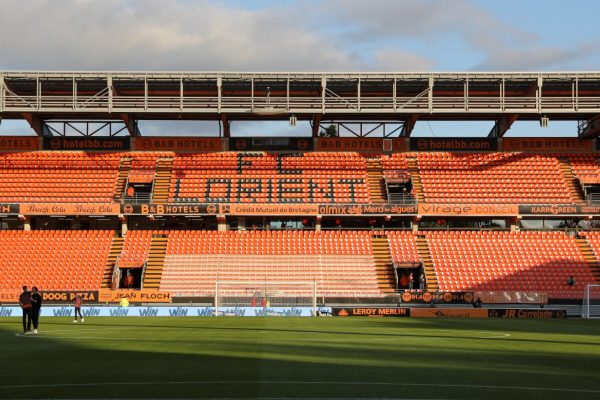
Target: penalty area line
383,384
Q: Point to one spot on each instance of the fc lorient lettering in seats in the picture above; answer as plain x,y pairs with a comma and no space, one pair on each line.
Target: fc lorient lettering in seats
278,190
268,178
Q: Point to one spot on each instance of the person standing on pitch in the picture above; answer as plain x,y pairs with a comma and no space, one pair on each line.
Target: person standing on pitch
36,306
124,302
78,302
25,303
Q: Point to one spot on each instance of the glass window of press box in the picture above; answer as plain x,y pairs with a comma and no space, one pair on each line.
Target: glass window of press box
559,224
10,223
462,223
74,222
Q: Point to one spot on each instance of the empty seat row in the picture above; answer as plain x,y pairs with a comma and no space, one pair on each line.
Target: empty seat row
530,261
54,260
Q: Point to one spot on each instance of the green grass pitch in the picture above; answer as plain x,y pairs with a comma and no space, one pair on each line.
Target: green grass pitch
229,357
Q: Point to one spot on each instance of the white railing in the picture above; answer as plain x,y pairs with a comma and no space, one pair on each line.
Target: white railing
594,198
459,104
137,198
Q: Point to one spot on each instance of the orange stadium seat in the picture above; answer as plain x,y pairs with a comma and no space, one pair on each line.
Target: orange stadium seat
58,176
270,178
585,165
403,247
342,264
593,239
522,261
54,260
136,248
488,177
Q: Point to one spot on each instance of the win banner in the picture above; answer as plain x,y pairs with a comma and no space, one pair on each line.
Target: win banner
99,311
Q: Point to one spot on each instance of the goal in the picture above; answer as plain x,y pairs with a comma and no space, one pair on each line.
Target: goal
265,294
591,302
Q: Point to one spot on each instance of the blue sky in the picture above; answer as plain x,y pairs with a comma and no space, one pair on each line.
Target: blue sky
310,35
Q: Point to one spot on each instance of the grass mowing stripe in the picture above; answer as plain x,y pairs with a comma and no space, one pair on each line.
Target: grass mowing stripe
303,383
324,340
302,358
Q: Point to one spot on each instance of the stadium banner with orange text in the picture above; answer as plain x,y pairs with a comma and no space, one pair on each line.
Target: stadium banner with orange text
69,295
448,313
165,311
526,313
19,143
51,296
370,312
423,209
9,209
269,209
86,143
454,144
468,210
178,144
547,145
134,296
170,209
426,297
361,144
508,297
69,209
366,209
9,296
559,209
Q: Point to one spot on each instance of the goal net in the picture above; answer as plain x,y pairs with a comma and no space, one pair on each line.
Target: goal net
265,294
591,302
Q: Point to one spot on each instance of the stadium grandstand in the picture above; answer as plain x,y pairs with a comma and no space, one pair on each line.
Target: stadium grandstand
367,218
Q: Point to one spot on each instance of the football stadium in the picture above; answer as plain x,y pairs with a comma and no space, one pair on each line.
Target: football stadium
369,264
307,234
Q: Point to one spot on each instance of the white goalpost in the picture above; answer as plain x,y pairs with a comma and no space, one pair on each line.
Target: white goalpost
591,302
265,294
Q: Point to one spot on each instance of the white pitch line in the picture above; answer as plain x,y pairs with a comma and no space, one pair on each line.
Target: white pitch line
295,398
484,334
400,336
82,330
353,383
234,339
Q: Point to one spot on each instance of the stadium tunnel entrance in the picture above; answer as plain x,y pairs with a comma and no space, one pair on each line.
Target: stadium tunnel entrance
131,278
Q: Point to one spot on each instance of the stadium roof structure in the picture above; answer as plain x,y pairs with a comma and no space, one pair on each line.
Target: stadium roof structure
405,98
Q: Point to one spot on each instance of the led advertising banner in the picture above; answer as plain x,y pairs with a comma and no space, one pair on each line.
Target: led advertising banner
182,311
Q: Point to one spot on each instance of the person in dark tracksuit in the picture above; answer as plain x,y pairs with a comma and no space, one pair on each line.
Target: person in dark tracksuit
25,303
36,305
78,302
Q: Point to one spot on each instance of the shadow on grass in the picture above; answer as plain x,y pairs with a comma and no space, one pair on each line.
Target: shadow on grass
391,328
173,365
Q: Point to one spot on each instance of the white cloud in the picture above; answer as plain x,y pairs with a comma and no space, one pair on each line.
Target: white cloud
497,44
424,20
156,34
393,61
503,58
328,35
